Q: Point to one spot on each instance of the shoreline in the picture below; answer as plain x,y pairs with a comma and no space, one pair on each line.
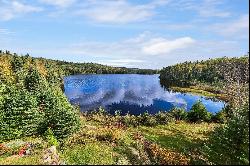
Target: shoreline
197,91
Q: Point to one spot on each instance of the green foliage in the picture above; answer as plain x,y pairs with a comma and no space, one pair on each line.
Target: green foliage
179,113
147,120
199,113
20,114
31,99
229,143
131,120
51,139
164,117
33,80
219,117
61,117
209,72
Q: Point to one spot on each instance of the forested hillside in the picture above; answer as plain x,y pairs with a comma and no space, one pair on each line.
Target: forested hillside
211,71
212,75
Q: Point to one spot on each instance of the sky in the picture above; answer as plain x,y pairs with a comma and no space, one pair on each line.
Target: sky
131,33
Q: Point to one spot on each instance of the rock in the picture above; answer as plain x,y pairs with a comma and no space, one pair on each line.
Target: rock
56,157
47,160
28,152
51,156
135,152
62,163
53,149
54,163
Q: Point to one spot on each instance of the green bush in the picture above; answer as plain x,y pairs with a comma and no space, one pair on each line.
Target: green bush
229,143
130,120
151,121
147,120
60,115
198,113
33,80
219,117
20,115
163,117
52,141
179,113
2,88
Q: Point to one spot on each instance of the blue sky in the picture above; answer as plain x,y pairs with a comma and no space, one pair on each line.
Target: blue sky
131,33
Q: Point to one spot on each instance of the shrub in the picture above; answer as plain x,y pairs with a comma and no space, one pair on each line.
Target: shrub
150,121
219,117
147,120
163,117
20,115
179,113
130,120
2,123
33,80
199,113
61,117
229,143
52,141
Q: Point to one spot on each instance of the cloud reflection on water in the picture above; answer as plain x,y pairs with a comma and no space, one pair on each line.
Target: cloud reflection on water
119,91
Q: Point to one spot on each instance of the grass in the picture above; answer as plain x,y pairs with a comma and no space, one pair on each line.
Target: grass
91,153
180,137
16,160
199,91
96,143
185,138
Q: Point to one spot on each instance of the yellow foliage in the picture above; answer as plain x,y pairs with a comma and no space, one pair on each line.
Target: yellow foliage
6,72
41,68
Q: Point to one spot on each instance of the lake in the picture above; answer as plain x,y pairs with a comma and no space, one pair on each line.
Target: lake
129,93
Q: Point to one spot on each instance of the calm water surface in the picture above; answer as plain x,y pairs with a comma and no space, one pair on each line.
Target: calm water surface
129,93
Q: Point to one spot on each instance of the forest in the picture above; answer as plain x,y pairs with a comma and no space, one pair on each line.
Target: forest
35,111
213,75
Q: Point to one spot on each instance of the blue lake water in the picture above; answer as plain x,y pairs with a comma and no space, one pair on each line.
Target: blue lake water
129,93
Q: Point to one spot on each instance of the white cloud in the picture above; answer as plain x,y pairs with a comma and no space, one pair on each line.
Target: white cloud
148,50
238,28
59,3
4,31
12,9
205,8
118,11
132,52
121,62
160,46
131,92
145,44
